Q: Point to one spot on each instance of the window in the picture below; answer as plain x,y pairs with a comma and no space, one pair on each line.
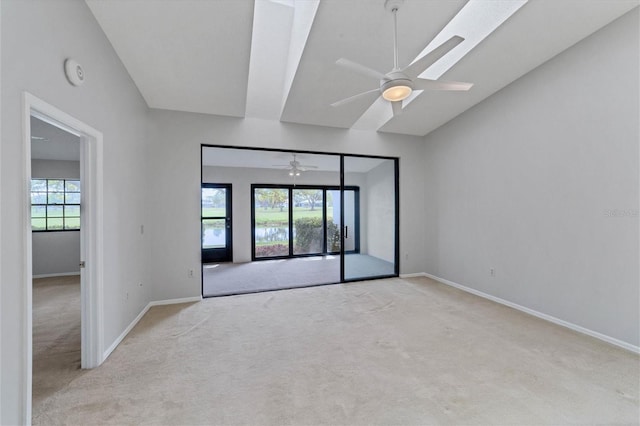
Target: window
55,204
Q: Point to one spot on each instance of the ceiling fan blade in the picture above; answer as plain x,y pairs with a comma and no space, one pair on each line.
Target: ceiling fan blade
354,97
426,84
308,167
432,57
362,69
396,108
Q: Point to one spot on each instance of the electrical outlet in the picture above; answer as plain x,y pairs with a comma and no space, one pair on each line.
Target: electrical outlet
141,229
406,256
492,272
190,273
127,295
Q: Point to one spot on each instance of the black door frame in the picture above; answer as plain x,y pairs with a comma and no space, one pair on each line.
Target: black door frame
396,161
225,254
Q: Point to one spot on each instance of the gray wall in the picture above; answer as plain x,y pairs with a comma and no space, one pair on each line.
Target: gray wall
528,183
380,211
57,252
37,36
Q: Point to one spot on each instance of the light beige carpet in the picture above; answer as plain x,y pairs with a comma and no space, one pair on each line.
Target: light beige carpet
396,351
56,335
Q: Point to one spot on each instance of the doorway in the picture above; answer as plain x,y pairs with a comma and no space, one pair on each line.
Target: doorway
91,233
216,216
55,223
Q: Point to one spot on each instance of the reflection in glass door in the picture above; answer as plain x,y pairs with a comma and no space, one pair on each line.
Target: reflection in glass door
216,223
373,251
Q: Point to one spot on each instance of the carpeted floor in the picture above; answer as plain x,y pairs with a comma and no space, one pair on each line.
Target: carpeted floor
394,351
56,335
219,279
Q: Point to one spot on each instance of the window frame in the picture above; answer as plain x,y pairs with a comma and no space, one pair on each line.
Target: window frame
64,204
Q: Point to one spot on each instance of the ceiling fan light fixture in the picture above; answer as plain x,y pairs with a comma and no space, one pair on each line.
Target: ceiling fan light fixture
396,90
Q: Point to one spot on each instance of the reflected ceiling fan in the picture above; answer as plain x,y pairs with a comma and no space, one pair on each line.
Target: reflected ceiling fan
294,167
397,84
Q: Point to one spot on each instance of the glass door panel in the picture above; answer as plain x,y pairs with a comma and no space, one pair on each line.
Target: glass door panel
369,218
308,221
271,222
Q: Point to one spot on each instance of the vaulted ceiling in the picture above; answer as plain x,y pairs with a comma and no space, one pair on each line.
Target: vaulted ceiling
276,59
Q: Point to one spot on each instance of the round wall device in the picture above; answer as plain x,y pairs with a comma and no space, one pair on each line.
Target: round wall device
74,72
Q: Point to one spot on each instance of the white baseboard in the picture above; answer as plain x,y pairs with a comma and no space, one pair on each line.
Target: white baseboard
61,274
558,321
135,321
176,301
413,275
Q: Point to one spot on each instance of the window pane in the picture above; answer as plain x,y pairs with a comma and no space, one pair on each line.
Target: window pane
71,211
38,198
72,186
38,185
54,211
271,227
214,233
72,223
214,202
72,198
38,211
54,224
56,185
56,198
38,224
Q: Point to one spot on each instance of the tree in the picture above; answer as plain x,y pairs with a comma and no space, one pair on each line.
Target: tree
311,196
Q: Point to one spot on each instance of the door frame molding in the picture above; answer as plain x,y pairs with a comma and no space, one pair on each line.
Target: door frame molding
91,235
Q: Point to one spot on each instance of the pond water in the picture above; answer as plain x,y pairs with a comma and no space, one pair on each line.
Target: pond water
214,238
269,234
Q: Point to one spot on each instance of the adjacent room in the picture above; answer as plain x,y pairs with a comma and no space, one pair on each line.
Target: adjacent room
320,212
277,219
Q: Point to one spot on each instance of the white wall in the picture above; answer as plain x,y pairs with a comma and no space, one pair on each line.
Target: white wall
37,35
55,252
526,182
175,168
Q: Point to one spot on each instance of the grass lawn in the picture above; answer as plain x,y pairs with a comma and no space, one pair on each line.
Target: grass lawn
273,217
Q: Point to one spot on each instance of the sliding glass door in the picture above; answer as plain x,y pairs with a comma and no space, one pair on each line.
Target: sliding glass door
370,218
296,221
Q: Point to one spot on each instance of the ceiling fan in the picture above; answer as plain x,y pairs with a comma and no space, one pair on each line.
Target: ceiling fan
295,167
397,84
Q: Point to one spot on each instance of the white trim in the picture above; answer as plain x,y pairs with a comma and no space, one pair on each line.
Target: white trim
546,317
176,301
91,236
61,274
135,321
413,275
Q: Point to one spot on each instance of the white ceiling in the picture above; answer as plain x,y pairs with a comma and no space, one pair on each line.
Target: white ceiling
276,59
49,142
